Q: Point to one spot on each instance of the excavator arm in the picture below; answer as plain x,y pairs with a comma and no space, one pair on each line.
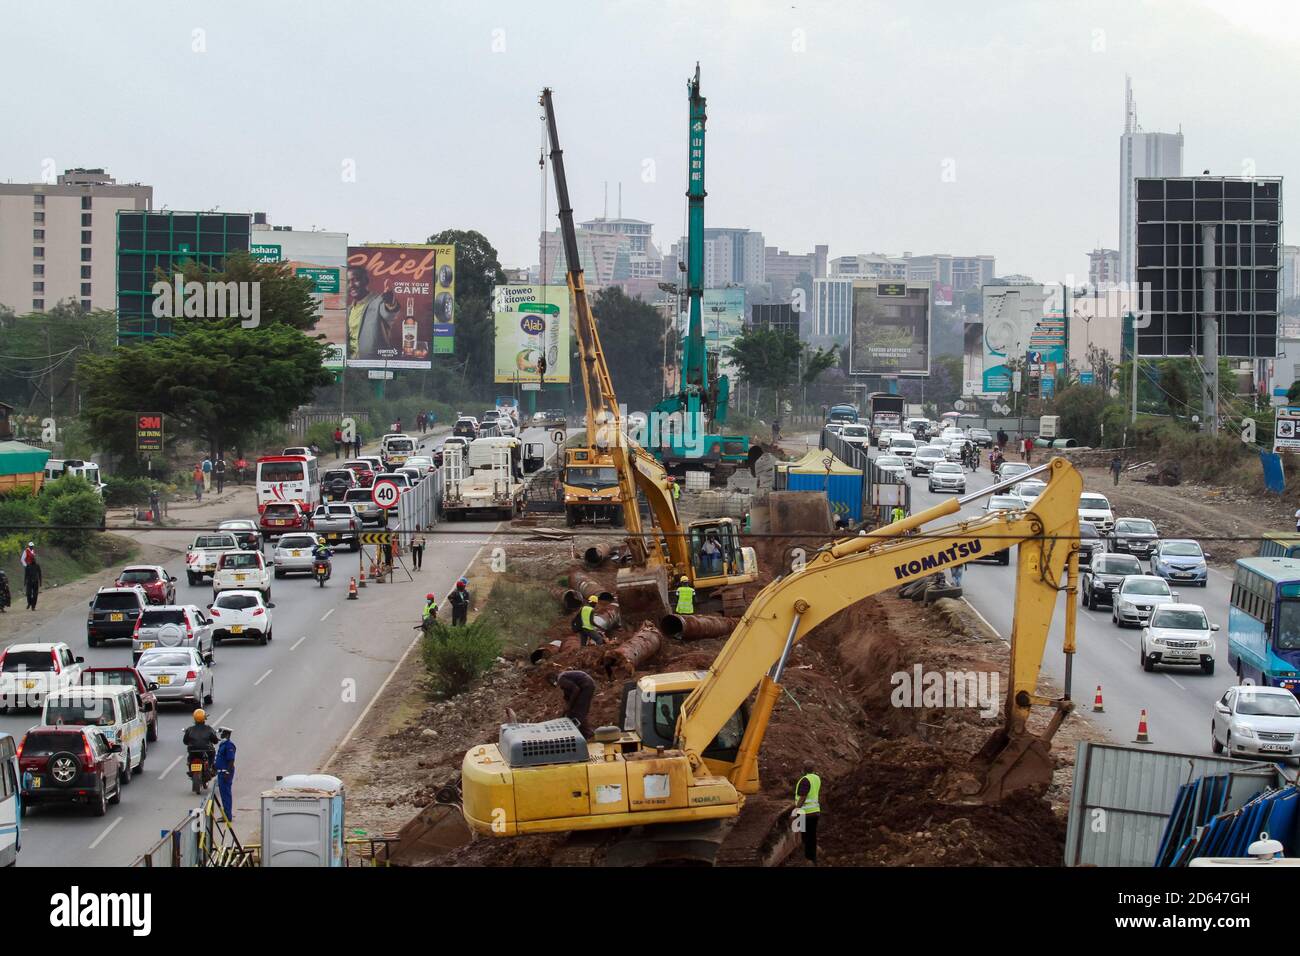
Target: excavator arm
840,575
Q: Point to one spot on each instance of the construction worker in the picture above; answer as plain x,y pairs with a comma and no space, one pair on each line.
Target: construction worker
225,767
898,514
578,689
677,491
587,629
807,810
685,596
430,612
460,601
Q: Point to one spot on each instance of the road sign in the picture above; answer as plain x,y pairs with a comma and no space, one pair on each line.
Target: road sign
1286,434
959,405
385,493
557,436
376,537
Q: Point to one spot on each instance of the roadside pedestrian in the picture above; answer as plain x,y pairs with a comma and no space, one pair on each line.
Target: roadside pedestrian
429,616
588,632
433,417
417,548
808,810
5,597
155,506
219,472
1297,520
32,579
1002,439
419,422
225,767
241,469
578,689
357,444
28,555
1027,449
956,573
198,482
207,474
338,443
460,602
1117,465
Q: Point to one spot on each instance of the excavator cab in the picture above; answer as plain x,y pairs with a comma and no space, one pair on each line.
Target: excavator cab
717,557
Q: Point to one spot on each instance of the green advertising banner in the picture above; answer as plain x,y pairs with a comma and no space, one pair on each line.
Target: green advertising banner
532,333
322,280
264,251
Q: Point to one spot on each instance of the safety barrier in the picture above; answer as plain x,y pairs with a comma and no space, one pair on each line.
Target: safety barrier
205,838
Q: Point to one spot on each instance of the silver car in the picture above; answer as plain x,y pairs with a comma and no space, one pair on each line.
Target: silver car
946,476
179,673
1256,720
174,626
293,553
1137,596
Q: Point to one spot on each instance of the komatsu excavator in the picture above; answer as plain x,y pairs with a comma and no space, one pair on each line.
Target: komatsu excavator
671,550
689,745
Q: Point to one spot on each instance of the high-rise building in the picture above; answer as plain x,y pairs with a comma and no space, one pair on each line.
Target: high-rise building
58,240
957,272
782,269
1103,267
832,311
781,317
1290,276
1141,155
645,261
872,266
732,257
606,257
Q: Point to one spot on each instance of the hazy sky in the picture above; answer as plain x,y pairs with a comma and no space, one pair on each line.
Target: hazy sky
829,122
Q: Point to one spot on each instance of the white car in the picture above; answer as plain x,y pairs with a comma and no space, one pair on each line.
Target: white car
293,553
1028,491
31,672
1179,634
892,465
859,435
180,673
1096,509
1004,503
903,447
202,556
884,441
1137,596
242,571
1256,720
925,458
241,615
1010,469
424,463
946,476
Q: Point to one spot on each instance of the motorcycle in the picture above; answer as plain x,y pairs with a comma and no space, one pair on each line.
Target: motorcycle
320,569
200,767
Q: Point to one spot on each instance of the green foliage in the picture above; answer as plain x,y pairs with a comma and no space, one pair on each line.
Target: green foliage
819,361
20,514
80,512
1080,408
523,610
1293,393
767,359
283,298
454,657
127,491
631,336
45,345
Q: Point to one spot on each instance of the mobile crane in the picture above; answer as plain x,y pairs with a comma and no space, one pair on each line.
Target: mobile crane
657,554
545,777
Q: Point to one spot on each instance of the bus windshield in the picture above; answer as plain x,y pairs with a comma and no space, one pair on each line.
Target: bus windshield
1288,626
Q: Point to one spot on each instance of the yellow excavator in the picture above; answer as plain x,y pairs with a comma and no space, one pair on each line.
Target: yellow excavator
688,749
671,550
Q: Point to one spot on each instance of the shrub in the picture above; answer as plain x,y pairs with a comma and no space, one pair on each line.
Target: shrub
81,513
20,514
127,491
455,657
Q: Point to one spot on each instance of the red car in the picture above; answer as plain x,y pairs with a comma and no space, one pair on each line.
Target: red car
70,764
365,474
281,518
128,677
159,587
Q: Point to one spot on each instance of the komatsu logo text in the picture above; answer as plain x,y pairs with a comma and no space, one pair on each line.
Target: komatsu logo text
964,549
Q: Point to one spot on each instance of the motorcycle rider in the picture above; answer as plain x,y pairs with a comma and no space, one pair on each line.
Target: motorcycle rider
322,553
199,736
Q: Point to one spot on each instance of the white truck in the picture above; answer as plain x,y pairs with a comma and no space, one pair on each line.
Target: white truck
204,554
487,475
56,468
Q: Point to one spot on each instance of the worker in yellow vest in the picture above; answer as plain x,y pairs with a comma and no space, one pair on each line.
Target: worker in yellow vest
588,630
685,596
807,810
677,491
898,514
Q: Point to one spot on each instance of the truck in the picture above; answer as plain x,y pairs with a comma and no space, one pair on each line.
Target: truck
202,557
1049,426
337,522
56,468
884,413
488,475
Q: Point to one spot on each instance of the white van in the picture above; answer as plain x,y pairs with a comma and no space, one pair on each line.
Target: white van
114,710
10,795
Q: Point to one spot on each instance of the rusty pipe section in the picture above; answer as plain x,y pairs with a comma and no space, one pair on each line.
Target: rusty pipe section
598,554
584,588
622,660
694,627
608,618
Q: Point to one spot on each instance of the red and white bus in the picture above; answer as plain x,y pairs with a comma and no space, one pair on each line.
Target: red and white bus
287,479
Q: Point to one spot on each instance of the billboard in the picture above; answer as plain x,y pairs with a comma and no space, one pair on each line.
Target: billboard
532,322
1014,317
321,257
723,319
400,305
889,332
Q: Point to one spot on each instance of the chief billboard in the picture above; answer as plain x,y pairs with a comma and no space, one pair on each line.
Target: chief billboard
400,305
889,333
532,332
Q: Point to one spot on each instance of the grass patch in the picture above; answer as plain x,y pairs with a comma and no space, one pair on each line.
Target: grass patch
521,611
62,567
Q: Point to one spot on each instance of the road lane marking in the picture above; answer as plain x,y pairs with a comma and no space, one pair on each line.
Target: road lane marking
1125,643
170,765
107,830
226,714
294,645
263,677
1176,684
327,614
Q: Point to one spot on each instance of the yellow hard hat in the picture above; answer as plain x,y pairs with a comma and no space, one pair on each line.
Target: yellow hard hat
200,716
684,579
592,599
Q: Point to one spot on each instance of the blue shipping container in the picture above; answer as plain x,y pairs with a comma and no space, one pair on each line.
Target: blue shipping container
843,491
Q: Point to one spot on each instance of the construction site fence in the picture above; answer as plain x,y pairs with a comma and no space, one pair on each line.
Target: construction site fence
880,490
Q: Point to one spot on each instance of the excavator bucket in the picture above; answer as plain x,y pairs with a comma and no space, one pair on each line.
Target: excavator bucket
1008,762
643,590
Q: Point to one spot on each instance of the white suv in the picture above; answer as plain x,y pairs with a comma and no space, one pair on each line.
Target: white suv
1179,634
31,672
1095,508
242,571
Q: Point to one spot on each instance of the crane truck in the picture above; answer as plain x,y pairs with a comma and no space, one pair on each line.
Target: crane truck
545,777
616,462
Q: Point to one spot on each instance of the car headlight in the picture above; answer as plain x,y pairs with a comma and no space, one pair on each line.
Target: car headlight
1207,642
1126,606
1242,731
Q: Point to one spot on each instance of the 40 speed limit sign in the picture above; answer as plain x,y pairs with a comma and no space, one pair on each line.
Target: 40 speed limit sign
385,493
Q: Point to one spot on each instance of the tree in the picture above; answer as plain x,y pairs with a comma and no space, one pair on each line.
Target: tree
819,361
283,298
216,383
478,269
1080,408
44,346
631,336
767,359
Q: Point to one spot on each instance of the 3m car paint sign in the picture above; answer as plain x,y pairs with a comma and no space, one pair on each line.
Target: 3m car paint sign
400,305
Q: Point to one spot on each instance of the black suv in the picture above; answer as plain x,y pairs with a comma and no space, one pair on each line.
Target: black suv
336,483
1090,543
113,614
1099,581
70,764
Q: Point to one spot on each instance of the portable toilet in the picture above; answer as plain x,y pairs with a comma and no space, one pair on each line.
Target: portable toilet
302,821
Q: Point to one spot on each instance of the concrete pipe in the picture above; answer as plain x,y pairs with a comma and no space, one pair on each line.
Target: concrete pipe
694,627
642,647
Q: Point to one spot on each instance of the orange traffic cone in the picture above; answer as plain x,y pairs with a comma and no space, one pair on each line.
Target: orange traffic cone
363,578
352,589
1097,708
1142,737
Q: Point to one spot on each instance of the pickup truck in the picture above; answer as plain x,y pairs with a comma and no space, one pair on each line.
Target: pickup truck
368,513
203,555
336,522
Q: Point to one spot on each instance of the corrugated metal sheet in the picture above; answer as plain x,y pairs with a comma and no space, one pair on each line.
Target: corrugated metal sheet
843,491
1123,797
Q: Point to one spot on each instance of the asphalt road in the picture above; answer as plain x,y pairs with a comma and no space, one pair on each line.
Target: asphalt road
290,703
1178,701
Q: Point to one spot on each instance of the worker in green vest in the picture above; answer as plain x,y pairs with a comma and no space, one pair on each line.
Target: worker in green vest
429,616
807,810
677,491
588,631
685,596
898,514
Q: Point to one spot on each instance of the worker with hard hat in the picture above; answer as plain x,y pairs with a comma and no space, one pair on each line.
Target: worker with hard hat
807,810
587,629
430,612
677,489
685,596
459,600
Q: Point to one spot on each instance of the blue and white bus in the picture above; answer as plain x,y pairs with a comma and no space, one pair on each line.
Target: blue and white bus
10,798
1264,622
